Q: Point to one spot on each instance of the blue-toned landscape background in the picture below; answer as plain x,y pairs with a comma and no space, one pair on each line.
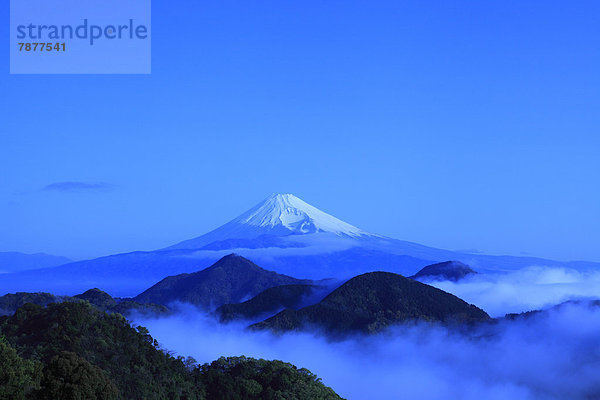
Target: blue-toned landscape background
402,197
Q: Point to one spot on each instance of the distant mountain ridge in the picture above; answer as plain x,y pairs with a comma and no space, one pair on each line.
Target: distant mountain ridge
13,261
367,303
283,234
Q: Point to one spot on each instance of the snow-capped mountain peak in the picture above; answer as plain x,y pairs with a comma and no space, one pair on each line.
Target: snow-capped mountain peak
296,215
279,215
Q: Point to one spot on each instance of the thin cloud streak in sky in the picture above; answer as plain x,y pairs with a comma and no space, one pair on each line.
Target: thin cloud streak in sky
73,186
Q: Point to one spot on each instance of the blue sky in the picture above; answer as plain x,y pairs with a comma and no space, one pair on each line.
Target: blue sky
456,124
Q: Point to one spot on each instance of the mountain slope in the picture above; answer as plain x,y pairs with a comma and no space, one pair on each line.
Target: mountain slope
370,302
268,301
122,275
229,280
13,261
278,215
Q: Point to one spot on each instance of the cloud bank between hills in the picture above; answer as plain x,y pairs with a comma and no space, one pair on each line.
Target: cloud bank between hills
551,355
524,290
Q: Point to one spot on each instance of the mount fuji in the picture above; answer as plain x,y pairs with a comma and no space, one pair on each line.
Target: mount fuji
279,215
282,233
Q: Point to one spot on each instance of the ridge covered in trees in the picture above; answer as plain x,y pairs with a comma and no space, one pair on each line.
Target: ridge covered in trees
9,303
75,351
370,302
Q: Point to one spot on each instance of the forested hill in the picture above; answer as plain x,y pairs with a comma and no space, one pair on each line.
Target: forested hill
230,280
74,351
9,303
373,301
447,271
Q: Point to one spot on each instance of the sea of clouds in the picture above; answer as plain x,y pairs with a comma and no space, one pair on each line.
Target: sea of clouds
551,355
525,289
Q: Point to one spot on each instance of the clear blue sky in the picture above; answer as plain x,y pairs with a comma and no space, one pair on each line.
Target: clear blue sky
456,124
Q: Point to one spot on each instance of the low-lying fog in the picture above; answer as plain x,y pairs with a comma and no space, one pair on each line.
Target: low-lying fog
524,290
555,355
